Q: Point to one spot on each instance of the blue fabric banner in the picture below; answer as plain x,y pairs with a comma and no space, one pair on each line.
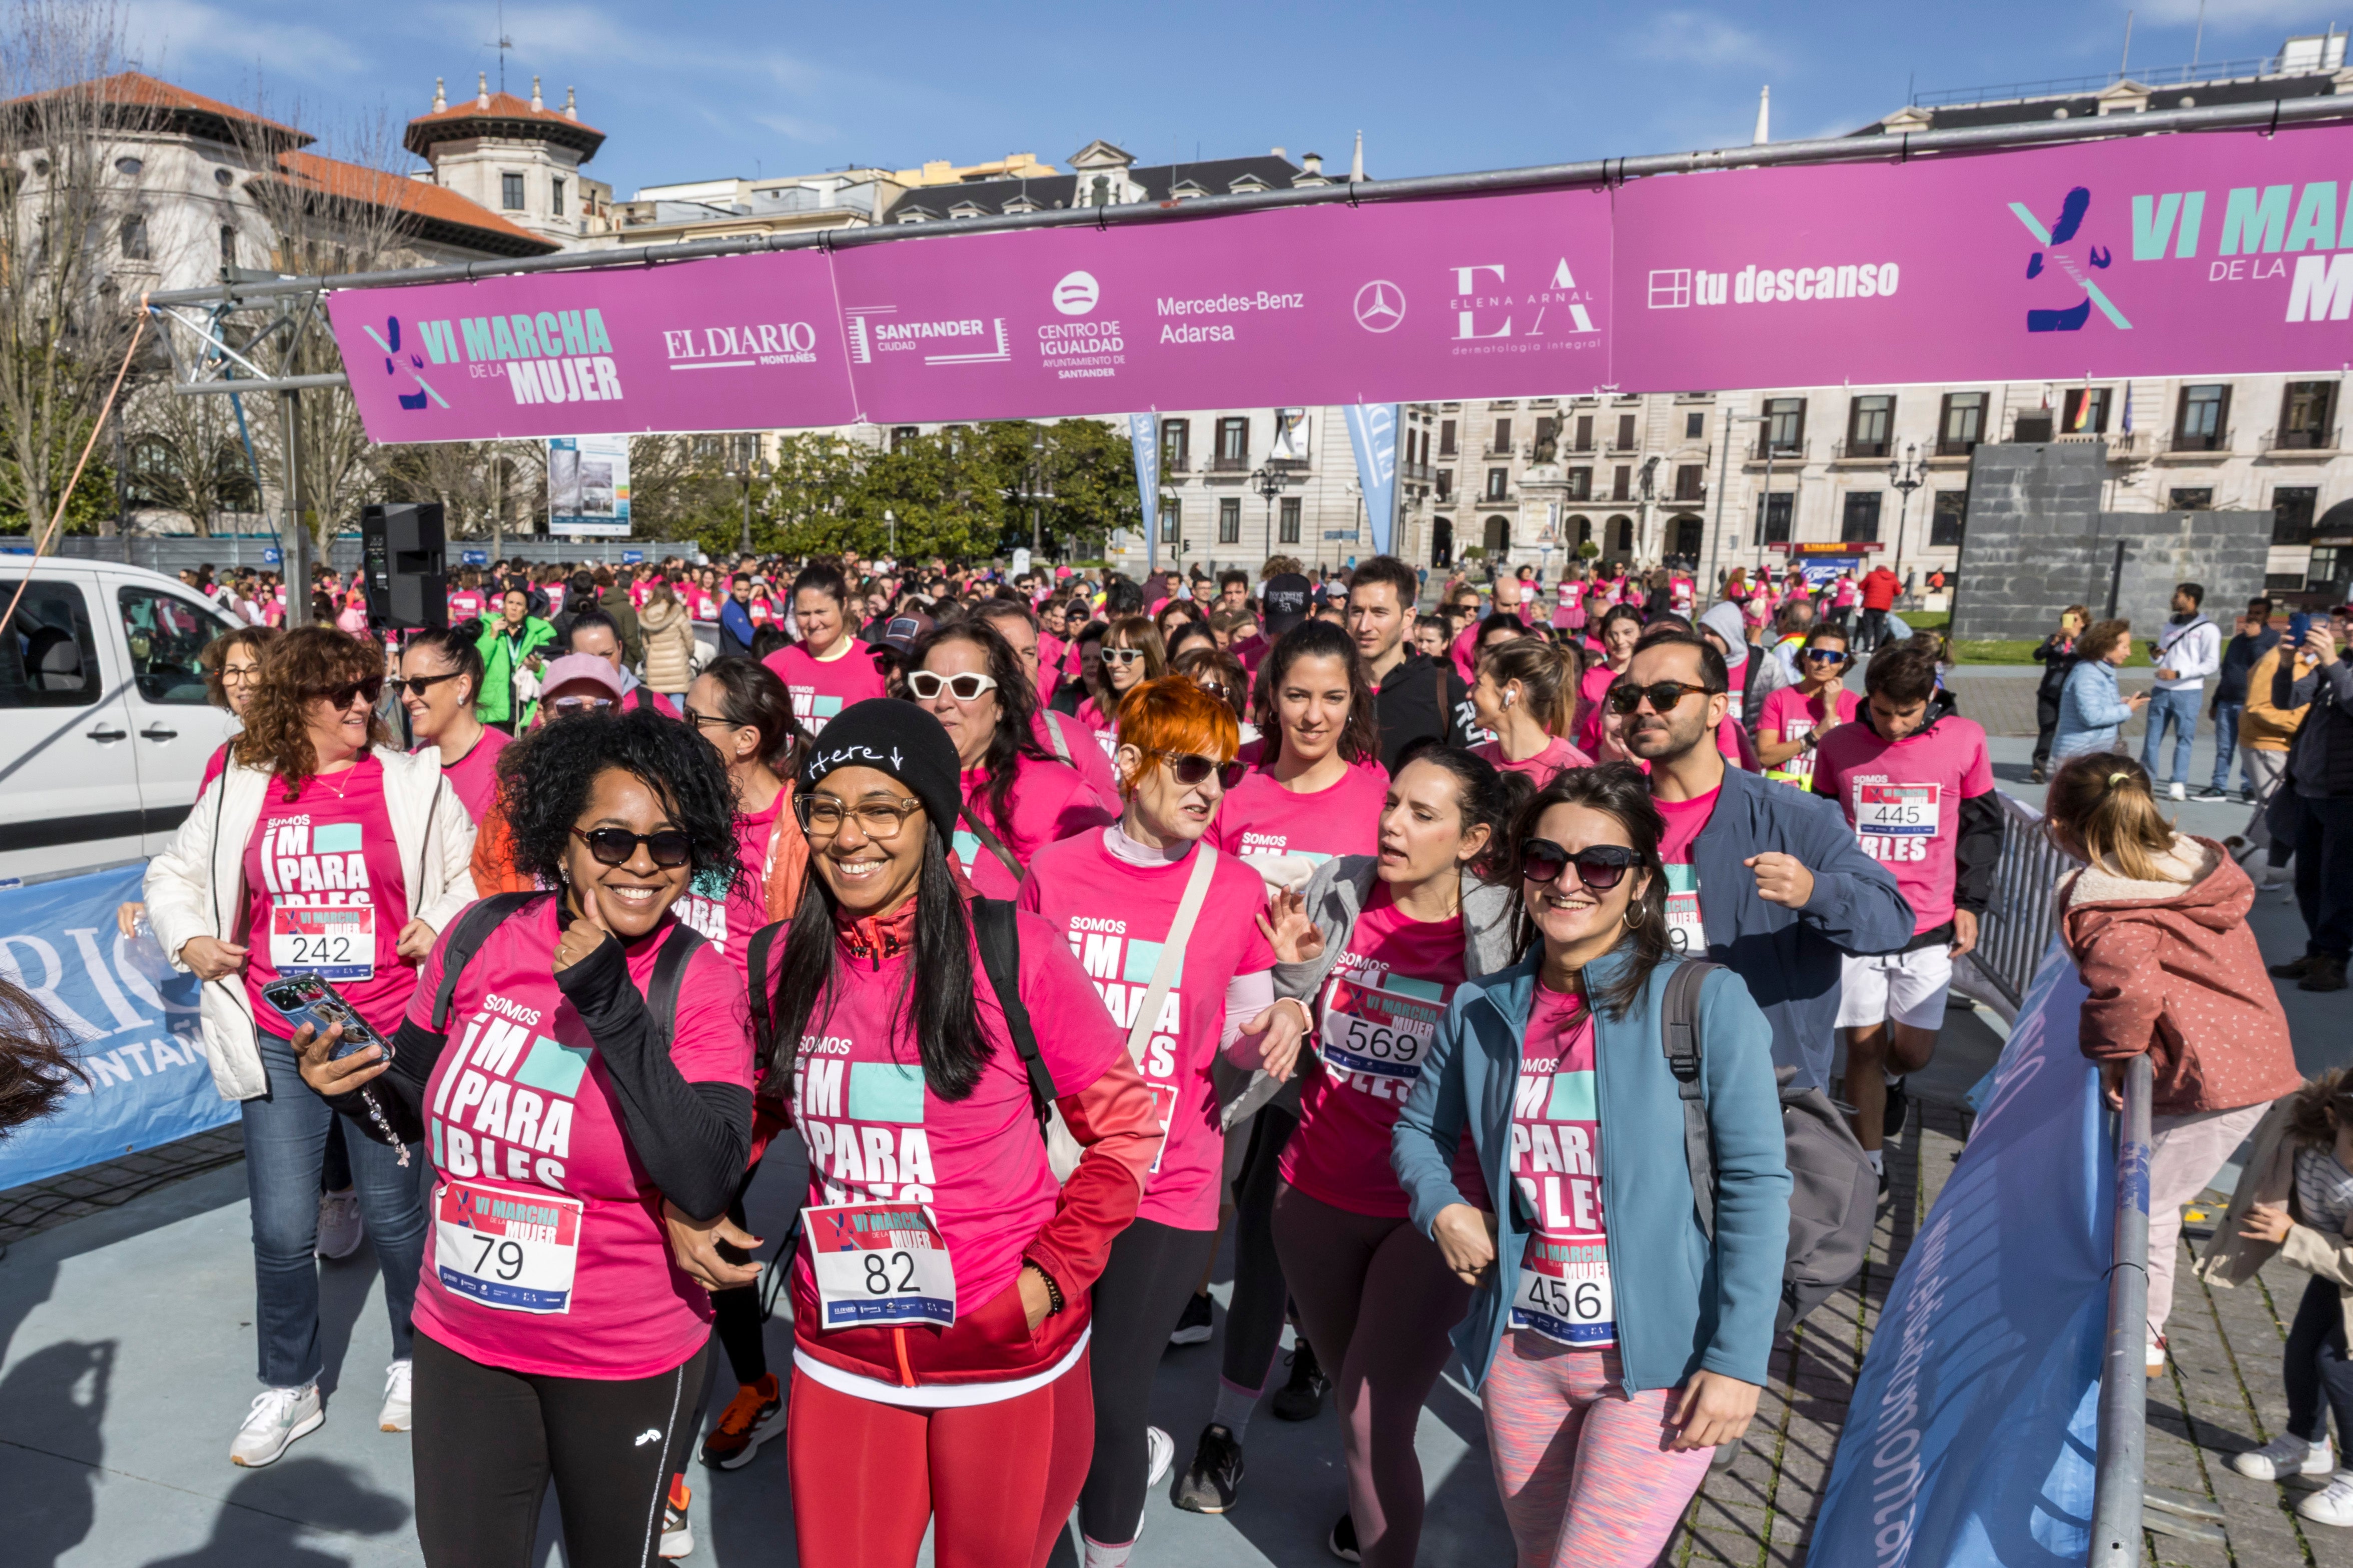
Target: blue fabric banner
1373,433
1970,1439
1144,436
149,1082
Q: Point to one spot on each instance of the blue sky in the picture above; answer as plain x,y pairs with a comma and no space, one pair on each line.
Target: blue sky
692,91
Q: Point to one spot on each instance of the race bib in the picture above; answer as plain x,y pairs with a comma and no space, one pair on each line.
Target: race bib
1564,1292
879,1264
512,1249
1899,810
337,942
1384,1029
1686,931
1800,769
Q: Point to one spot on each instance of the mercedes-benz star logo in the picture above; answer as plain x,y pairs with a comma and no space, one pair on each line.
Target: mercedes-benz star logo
1380,306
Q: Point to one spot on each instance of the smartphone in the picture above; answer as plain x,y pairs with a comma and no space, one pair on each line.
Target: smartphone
2299,625
306,999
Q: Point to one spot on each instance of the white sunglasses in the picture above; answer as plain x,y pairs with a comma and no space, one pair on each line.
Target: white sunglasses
965,687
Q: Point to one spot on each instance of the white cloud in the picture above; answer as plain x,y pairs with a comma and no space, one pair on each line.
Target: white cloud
1696,37
2222,15
161,33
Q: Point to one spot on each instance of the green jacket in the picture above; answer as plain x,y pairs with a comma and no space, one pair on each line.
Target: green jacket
501,656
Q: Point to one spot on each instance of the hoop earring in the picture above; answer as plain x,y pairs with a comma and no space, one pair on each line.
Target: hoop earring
1626,920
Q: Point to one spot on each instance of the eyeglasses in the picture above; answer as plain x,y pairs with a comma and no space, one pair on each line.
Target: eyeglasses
573,707
1123,655
339,697
1600,867
670,848
821,817
1192,770
965,687
416,685
238,674
1625,697
1825,656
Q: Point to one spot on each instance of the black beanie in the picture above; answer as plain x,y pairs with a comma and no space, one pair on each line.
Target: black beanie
898,738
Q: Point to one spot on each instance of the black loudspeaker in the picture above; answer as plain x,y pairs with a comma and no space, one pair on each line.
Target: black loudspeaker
402,553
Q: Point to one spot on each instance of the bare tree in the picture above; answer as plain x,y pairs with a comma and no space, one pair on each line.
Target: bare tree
187,455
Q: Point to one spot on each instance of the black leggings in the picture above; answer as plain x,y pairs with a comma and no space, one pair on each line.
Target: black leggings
1254,1315
737,1313
1139,1298
486,1441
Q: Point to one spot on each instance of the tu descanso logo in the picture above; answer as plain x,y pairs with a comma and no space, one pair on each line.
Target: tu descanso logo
2067,253
389,341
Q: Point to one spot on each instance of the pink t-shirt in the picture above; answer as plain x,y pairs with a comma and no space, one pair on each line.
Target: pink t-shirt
1461,652
475,776
520,1112
1051,800
1116,917
1374,1020
1556,758
823,688
555,592
1684,820
1568,612
877,1133
1791,715
1903,800
1259,819
465,604
1556,1163
1590,690
728,924
325,895
1086,755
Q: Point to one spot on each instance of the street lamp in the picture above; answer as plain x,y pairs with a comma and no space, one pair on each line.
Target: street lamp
1906,477
751,468
1269,481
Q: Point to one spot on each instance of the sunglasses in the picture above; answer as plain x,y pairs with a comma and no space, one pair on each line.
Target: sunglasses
967,687
1600,867
1192,770
573,707
1625,697
1123,655
1825,656
339,697
417,685
669,847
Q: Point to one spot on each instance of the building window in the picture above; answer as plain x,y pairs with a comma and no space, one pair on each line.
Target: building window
2307,411
134,238
1499,484
1694,425
1784,427
1947,518
2201,500
1446,484
2086,413
556,198
1233,443
1621,483
1229,519
1859,522
2202,423
1585,432
228,245
1578,529
902,434
511,192
2327,569
1962,424
1287,521
1175,446
1868,422
1625,432
1172,520
1547,438
1691,481
1446,438
1580,484
1773,509
1503,447
2293,507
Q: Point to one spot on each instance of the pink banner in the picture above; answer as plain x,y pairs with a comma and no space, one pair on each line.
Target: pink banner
2216,253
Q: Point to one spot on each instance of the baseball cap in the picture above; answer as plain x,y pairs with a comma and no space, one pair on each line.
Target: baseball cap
591,668
906,631
1286,601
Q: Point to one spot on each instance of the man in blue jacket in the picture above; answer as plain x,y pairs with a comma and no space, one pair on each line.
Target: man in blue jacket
1770,879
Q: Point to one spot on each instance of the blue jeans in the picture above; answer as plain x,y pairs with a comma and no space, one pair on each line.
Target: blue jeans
285,1147
2181,710
2226,742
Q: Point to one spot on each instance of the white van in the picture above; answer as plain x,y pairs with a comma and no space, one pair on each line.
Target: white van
104,723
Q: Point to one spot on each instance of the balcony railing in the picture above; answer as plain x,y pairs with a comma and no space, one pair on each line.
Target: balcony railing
1957,445
1781,451
1852,451
2316,443
1224,464
1176,462
2178,444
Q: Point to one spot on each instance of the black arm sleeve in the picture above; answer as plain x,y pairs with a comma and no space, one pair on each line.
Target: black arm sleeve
399,1090
694,1137
1977,852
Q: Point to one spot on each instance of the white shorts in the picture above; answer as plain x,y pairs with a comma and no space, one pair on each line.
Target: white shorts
1908,987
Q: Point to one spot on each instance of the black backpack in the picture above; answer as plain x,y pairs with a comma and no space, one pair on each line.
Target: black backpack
1834,1191
485,915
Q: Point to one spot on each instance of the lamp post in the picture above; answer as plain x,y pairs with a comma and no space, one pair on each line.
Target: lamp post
751,468
1269,481
1906,475
1724,484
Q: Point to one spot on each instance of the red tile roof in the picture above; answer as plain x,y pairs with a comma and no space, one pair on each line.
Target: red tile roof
430,205
442,125
141,90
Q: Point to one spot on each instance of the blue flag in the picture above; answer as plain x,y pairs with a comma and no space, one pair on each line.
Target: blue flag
1373,433
1144,436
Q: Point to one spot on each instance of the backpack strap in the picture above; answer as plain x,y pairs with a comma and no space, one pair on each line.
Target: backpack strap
755,969
644,698
1679,1026
1061,743
1000,955
668,977
990,842
466,938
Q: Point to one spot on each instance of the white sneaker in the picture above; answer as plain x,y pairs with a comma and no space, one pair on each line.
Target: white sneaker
339,1228
279,1416
2284,1456
1162,1449
2178,791
2157,1348
394,1416
2333,1504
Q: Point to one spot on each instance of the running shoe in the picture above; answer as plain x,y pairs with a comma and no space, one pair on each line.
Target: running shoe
2333,1504
2155,1355
1160,1452
2285,1456
756,1414
1344,1540
1214,1479
1193,1328
393,1416
1303,1396
341,1230
677,1531
1897,1112
279,1416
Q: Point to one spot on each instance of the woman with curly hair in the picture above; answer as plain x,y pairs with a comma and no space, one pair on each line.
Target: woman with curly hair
323,851
601,1079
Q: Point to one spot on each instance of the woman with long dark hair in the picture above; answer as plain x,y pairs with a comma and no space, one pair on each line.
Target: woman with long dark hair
961,1393
1018,797
1130,655
745,713
1587,1347
1315,787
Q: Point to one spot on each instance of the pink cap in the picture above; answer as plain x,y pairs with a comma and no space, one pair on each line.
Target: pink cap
588,666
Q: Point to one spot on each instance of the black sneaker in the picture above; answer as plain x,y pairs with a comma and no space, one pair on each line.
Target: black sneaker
2326,972
1303,1396
2294,969
1897,1112
1193,1328
1344,1540
2210,794
1214,1479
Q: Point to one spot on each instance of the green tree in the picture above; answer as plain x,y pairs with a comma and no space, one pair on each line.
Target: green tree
1092,472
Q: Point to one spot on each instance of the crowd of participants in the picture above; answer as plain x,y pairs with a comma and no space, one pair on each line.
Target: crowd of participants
1067,922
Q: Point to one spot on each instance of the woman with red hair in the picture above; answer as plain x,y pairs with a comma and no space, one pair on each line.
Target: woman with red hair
1168,928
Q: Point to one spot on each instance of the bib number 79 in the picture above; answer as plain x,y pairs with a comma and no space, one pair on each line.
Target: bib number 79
508,1265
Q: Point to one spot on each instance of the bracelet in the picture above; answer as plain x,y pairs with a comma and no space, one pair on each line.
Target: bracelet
1306,1018
1053,1291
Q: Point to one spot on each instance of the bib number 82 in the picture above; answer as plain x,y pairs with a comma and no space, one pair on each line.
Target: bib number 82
878,1281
